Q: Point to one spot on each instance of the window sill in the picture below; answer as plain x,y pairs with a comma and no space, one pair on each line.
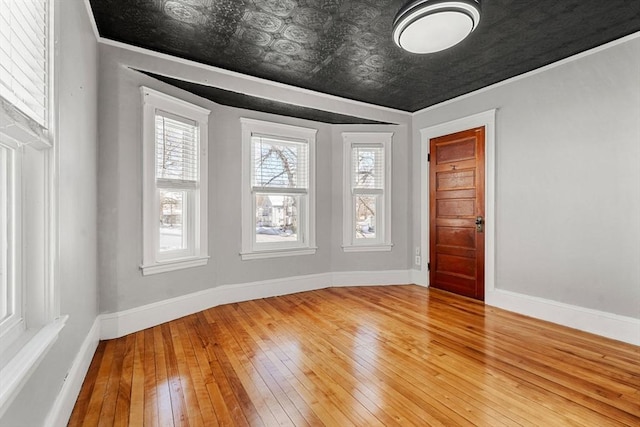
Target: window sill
17,129
166,266
368,248
277,253
18,370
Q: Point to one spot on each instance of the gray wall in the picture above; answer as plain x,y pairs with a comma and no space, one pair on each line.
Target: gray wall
122,285
76,70
367,261
567,179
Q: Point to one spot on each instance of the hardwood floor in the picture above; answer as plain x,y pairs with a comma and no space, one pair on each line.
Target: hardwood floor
362,356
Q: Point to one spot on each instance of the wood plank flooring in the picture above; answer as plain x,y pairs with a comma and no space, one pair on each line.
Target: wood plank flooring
361,356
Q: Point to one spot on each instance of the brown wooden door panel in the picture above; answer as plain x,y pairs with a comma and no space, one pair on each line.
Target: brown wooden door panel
458,180
456,236
456,194
457,251
456,222
454,283
456,151
457,264
456,199
455,208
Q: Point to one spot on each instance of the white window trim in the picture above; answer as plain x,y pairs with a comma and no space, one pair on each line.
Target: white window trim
249,250
40,322
152,263
349,243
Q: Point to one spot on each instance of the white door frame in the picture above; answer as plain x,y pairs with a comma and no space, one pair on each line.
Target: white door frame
486,119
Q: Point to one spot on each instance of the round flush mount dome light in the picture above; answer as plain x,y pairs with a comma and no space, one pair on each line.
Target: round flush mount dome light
427,26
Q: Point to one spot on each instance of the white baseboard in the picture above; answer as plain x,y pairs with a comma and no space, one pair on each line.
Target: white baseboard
419,277
369,278
115,325
63,406
621,328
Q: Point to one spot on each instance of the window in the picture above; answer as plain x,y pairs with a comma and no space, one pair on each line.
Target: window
9,302
278,204
24,56
29,312
175,183
367,201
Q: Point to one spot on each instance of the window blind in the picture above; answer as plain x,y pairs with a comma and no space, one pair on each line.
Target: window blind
176,149
368,167
24,61
279,164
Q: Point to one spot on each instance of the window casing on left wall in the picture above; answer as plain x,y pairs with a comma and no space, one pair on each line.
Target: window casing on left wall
175,142
30,318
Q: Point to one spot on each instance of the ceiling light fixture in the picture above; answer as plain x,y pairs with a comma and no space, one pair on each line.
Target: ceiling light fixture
427,26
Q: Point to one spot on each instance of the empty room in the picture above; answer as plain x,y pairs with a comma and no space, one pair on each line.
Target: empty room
319,213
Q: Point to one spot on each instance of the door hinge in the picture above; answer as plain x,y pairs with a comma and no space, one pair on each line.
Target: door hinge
429,157
428,266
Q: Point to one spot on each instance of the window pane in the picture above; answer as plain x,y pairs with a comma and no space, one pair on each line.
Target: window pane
4,233
365,212
277,218
173,230
24,53
279,164
176,148
368,167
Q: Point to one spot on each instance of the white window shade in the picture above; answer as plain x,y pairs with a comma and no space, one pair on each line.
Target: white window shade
279,164
368,167
176,149
24,72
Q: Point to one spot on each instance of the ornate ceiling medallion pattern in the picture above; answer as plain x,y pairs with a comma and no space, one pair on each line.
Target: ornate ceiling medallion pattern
345,48
310,18
287,47
263,21
282,8
182,12
277,58
255,36
300,34
366,40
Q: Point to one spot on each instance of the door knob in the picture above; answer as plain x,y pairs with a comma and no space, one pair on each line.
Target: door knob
479,224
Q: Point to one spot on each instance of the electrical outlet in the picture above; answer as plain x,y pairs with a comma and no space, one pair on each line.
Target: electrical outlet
417,250
418,260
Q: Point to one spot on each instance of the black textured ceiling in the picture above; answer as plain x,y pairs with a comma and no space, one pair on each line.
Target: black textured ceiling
344,47
241,100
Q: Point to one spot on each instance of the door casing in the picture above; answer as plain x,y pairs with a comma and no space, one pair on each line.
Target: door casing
486,119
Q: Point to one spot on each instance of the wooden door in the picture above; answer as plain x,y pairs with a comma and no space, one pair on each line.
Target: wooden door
456,213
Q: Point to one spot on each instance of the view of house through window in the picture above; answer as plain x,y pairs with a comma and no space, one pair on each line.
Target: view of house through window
176,178
278,200
280,186
276,218
367,197
175,145
365,217
368,186
172,233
